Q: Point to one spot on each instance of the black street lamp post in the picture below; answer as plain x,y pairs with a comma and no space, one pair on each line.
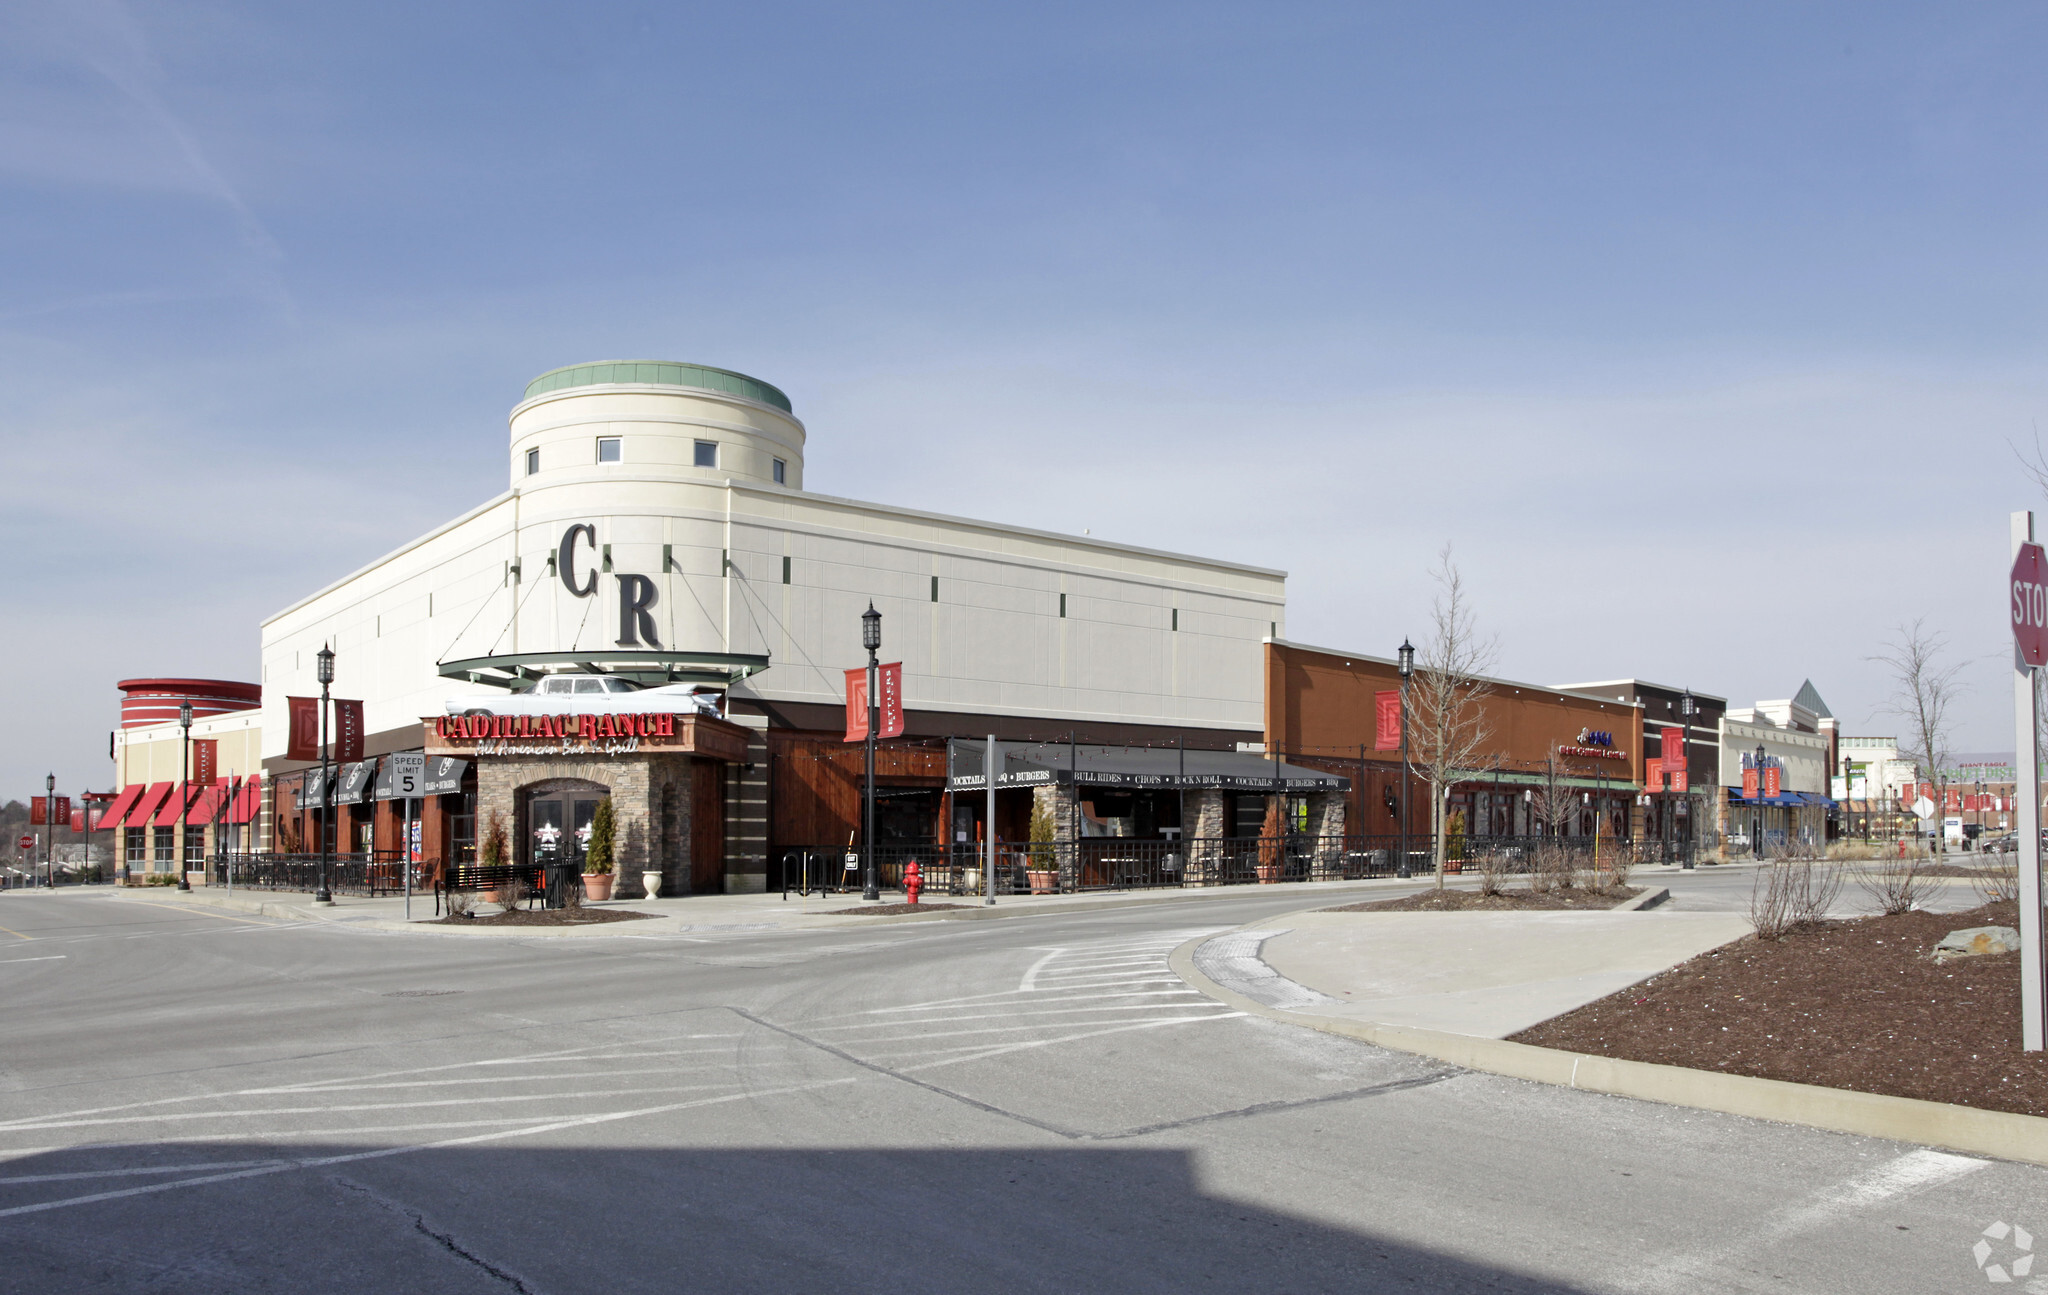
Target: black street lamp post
1756,817
1687,708
49,833
184,792
322,895
871,639
1407,660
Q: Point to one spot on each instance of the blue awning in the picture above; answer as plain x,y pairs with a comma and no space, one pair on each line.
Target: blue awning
1785,800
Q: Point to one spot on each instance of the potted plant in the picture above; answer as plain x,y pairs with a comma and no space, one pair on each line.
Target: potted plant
597,856
495,852
1268,866
1038,867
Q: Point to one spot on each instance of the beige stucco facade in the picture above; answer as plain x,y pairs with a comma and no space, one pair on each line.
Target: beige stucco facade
986,618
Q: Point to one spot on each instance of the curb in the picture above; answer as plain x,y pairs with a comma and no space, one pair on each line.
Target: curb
1648,899
1997,1134
307,912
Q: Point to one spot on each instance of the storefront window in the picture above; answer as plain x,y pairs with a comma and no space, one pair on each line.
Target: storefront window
166,850
461,827
195,847
135,845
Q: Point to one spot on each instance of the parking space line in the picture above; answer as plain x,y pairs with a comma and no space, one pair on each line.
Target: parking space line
322,1162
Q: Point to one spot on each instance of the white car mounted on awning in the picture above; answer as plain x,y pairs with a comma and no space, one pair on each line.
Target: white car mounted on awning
593,694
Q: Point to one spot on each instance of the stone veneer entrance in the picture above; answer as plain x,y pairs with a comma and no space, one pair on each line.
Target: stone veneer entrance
656,782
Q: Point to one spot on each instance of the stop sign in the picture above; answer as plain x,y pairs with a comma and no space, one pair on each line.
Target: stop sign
2029,593
26,842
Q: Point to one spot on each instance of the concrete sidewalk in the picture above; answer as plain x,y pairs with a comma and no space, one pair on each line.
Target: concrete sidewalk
716,913
1483,974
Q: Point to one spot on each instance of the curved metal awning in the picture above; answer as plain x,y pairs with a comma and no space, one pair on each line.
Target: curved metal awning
518,670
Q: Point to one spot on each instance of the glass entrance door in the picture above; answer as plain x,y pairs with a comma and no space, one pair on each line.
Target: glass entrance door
560,828
549,843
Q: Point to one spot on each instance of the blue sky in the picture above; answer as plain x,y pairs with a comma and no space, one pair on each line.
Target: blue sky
1702,332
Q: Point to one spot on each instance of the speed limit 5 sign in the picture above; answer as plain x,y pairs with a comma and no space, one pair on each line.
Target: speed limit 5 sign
2029,598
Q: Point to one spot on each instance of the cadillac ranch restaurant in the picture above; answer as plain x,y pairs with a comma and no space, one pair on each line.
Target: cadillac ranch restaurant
540,777
536,778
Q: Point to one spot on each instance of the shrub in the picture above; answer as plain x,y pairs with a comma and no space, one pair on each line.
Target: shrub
1895,884
597,857
497,846
512,892
1494,866
1789,893
2000,882
1557,867
460,902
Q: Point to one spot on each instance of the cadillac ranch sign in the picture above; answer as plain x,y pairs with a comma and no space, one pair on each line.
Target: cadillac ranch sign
584,735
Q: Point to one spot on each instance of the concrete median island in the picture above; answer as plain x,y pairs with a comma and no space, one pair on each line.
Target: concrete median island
1453,986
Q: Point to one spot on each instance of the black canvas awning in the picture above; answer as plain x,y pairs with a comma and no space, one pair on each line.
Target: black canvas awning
1045,764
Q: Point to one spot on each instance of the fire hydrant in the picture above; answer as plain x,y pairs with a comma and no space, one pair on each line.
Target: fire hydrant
913,880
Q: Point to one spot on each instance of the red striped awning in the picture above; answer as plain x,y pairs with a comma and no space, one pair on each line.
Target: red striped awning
167,813
112,815
145,810
248,804
207,802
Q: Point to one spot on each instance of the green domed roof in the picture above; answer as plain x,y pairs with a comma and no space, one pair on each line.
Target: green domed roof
665,373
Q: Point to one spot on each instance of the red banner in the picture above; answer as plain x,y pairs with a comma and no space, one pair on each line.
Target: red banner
1772,780
1680,780
78,820
892,700
1749,784
1653,775
857,705
205,751
304,740
1673,754
1387,721
38,811
60,810
348,731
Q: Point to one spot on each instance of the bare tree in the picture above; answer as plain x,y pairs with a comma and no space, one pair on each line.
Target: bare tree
1923,691
1555,801
1450,724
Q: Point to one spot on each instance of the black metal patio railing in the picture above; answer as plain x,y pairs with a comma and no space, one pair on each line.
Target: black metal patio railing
380,872
1115,863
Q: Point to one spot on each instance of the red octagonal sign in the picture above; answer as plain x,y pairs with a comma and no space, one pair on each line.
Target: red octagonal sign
2029,592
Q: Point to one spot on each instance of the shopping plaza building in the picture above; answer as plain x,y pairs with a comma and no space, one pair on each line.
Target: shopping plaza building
658,611
656,528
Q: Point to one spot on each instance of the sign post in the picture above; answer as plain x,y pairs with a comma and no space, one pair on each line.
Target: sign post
408,778
2027,595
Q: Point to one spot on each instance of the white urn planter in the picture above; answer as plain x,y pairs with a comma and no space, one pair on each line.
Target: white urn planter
652,882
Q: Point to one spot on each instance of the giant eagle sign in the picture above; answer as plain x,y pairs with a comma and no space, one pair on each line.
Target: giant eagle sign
637,594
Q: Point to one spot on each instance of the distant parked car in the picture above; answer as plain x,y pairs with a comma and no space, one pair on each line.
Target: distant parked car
572,694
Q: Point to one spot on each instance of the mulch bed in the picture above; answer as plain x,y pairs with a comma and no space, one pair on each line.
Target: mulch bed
868,909
1860,1005
1507,901
545,917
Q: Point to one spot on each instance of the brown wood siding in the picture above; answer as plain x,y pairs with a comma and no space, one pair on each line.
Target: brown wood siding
1322,705
817,784
707,827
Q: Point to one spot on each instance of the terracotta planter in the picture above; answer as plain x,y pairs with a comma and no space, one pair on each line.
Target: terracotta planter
1043,883
597,886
